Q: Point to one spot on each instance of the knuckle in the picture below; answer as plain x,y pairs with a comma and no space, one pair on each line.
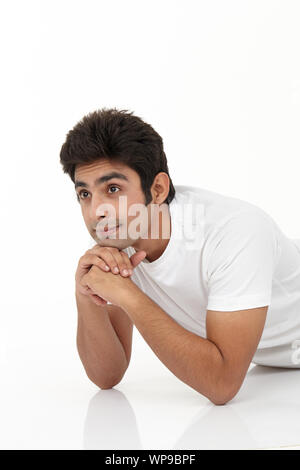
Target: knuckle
98,257
127,260
105,252
96,249
113,249
99,261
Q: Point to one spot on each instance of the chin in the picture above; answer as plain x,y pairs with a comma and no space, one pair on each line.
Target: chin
109,241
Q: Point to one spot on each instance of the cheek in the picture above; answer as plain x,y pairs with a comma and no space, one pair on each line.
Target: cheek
140,224
86,219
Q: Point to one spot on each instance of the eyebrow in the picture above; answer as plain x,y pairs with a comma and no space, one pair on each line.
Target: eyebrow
103,179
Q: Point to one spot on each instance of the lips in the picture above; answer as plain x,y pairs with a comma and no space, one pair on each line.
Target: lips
106,229
106,226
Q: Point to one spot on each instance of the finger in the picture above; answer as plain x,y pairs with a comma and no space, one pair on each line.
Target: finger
106,254
138,257
90,260
83,289
127,263
115,259
98,300
124,263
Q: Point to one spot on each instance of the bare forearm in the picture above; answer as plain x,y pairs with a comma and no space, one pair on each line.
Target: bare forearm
99,347
194,360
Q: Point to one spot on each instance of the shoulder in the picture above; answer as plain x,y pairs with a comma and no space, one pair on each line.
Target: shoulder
218,211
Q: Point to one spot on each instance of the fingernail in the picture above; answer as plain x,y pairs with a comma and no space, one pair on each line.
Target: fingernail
116,270
125,272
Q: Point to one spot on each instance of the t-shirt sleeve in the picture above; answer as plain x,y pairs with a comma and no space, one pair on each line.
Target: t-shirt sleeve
241,264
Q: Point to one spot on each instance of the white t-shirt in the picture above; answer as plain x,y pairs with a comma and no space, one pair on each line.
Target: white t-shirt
226,254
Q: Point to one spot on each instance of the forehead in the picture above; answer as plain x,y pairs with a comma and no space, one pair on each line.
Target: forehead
98,173
100,167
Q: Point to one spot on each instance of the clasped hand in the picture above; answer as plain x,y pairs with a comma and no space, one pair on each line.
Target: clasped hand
102,285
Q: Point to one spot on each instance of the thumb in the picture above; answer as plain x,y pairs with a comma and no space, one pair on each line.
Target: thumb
138,257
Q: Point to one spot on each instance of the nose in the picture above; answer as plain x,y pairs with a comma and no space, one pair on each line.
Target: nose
100,210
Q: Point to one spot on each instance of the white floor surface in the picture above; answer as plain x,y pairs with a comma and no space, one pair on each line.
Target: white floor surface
47,402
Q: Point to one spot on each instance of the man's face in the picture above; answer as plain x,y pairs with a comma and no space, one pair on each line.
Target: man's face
99,202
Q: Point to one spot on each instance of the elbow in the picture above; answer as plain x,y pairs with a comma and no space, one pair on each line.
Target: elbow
110,382
107,382
105,385
226,387
224,395
220,400
108,386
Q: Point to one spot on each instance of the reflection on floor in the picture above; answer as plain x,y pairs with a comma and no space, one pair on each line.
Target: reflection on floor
49,403
265,414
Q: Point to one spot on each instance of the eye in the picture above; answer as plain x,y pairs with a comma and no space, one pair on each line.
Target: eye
82,191
79,195
112,186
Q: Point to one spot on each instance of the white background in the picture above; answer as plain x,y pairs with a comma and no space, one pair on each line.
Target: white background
220,81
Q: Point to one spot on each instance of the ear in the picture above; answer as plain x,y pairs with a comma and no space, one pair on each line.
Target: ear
160,188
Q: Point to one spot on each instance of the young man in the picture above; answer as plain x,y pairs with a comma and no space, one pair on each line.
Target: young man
214,282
